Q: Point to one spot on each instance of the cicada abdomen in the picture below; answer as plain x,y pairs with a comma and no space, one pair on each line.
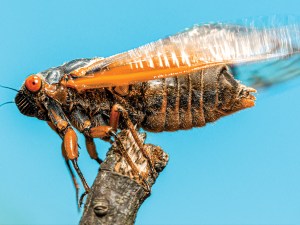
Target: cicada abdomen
193,99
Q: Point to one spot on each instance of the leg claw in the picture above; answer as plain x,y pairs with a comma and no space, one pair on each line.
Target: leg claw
80,203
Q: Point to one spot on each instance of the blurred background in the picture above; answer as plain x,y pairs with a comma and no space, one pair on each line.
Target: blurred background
243,169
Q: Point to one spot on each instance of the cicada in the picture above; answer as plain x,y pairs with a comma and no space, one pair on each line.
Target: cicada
176,83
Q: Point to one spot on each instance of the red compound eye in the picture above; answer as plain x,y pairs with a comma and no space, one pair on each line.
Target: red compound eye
33,83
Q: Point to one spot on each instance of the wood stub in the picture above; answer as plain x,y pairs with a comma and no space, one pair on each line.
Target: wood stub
118,192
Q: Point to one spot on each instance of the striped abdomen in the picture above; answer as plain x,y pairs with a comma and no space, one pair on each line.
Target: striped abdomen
190,100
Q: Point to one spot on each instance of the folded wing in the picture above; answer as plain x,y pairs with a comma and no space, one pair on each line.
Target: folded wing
194,49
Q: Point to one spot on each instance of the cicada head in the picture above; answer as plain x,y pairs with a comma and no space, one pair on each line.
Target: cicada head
29,98
38,88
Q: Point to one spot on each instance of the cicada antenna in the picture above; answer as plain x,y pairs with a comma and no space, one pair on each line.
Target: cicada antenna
5,103
10,88
13,89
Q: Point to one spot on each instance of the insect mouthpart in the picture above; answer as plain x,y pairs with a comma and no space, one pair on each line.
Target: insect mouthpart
25,104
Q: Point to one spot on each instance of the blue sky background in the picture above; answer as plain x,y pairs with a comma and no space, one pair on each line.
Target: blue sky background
244,169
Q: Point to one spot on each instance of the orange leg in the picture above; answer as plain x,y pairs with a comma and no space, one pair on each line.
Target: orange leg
91,148
107,131
114,117
100,131
59,123
70,144
116,110
76,185
82,122
71,150
134,168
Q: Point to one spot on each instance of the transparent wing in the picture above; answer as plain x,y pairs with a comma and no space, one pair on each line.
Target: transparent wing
268,73
194,49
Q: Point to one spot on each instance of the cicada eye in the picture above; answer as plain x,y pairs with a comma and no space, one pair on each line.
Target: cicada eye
33,83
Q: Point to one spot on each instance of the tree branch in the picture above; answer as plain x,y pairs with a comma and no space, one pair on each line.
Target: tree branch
118,190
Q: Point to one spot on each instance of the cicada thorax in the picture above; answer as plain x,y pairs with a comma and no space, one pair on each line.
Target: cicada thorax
93,105
190,100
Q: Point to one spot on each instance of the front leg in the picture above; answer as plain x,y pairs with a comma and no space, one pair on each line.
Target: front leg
64,154
70,145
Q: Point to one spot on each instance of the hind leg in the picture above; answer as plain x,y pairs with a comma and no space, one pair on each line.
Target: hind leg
118,110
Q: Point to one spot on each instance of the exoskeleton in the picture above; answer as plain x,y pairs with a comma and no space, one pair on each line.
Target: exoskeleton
173,84
166,104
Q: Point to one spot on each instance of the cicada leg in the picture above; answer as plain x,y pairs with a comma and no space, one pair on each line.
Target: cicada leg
73,179
104,132
66,132
91,148
71,148
82,122
75,183
114,119
107,131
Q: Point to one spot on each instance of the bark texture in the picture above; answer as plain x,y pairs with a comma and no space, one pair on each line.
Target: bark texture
119,190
